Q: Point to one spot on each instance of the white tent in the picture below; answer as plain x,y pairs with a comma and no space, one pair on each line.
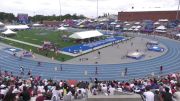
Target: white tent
133,27
62,28
85,34
8,32
178,35
163,20
117,26
161,31
137,23
156,23
125,22
137,27
37,25
113,23
161,28
17,27
1,24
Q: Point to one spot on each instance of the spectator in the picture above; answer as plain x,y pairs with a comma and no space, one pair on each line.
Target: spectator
40,97
10,96
157,96
176,96
149,96
166,96
56,94
25,96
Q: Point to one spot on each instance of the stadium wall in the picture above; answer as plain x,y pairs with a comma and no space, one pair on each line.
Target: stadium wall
147,15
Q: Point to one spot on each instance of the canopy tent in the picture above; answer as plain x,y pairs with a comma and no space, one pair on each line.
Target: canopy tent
163,20
137,27
125,22
178,35
161,31
117,26
133,27
1,24
62,28
17,27
125,29
37,25
128,24
137,23
156,23
86,34
113,23
8,32
161,28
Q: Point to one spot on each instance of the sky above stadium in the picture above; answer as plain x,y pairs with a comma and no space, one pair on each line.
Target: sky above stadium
85,7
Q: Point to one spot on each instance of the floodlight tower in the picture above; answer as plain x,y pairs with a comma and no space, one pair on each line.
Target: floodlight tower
177,15
97,8
60,10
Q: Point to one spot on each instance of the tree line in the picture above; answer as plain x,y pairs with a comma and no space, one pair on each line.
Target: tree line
9,17
40,18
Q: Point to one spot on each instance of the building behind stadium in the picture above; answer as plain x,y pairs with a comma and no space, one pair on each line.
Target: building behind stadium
147,15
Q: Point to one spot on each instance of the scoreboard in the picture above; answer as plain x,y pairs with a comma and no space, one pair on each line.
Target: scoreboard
23,18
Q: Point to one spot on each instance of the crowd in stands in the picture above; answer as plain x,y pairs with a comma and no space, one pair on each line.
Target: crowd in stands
14,88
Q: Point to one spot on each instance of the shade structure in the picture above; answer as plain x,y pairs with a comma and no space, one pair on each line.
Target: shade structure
17,27
161,28
37,25
163,20
178,35
86,34
62,28
161,31
156,23
8,32
1,24
137,23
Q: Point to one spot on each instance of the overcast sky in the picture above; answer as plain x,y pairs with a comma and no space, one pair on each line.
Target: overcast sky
85,7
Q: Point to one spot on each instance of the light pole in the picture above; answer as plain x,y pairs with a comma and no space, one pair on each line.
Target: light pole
97,9
60,10
177,15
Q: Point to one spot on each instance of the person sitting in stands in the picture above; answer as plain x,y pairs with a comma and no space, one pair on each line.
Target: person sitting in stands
176,95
